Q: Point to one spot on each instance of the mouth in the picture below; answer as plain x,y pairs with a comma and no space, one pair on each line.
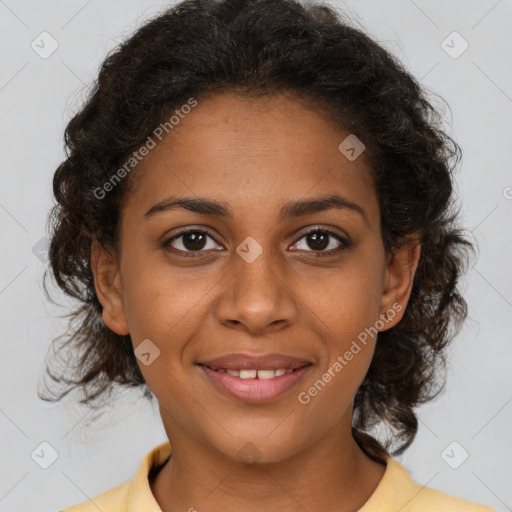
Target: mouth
255,373
255,385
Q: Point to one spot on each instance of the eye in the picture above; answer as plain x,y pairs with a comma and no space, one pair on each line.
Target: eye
321,239
190,241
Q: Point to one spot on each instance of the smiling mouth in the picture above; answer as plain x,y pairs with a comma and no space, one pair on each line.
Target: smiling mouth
254,385
256,373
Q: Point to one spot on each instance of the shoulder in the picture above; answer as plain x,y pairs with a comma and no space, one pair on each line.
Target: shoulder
432,500
132,495
398,491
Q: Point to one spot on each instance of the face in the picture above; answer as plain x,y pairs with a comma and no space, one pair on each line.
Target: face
253,276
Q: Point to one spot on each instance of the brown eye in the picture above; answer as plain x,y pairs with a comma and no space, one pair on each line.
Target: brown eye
323,241
318,240
194,241
190,241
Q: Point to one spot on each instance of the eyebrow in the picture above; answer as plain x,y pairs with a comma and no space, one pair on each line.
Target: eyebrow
293,209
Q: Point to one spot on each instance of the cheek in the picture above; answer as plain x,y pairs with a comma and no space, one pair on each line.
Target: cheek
160,303
164,307
349,310
328,397
349,354
347,300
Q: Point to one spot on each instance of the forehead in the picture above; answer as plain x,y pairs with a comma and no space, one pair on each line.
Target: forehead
253,153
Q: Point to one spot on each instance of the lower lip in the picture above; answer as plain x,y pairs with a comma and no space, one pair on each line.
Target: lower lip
255,391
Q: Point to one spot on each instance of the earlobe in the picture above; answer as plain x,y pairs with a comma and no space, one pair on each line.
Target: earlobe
400,272
107,284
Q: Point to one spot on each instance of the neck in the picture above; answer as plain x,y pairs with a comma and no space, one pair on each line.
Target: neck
333,474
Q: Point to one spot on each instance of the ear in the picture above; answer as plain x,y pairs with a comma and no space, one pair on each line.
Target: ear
107,282
400,271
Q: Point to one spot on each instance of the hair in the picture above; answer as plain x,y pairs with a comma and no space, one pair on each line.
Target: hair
256,48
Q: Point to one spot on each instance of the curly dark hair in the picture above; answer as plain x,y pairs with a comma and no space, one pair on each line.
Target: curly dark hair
257,48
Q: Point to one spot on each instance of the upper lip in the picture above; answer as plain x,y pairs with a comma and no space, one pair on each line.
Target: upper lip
259,362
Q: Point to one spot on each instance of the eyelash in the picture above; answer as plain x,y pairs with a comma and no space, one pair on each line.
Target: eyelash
345,243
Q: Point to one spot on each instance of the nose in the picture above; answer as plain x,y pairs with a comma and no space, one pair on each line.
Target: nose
256,296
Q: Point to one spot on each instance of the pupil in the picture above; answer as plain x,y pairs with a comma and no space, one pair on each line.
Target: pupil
318,237
196,240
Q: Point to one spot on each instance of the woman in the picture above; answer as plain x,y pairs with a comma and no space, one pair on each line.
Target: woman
256,217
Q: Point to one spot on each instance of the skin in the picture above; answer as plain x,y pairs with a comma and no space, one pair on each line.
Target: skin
254,155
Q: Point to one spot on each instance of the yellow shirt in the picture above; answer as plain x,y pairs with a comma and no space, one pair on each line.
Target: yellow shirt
396,492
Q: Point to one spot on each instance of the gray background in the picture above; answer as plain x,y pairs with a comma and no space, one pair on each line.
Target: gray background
37,98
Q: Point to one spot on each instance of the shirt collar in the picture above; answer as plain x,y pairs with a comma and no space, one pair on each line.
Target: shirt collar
140,496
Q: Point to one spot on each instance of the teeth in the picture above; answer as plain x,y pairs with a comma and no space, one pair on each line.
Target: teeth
252,374
248,374
266,374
